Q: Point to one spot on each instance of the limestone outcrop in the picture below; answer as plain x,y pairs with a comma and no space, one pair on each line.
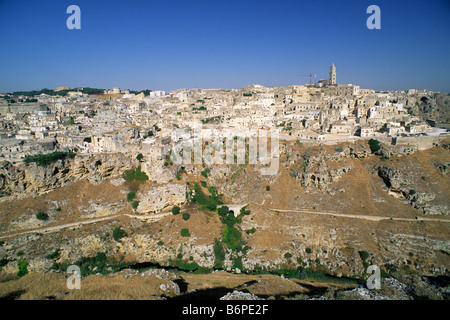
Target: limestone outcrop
20,178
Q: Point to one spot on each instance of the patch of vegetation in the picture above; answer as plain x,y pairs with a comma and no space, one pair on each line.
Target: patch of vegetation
149,134
364,255
135,174
23,270
130,196
55,255
205,172
99,263
186,216
118,234
204,201
231,237
3,262
219,254
251,231
139,157
244,211
185,233
48,158
287,255
338,149
308,250
267,188
135,204
374,145
175,210
42,216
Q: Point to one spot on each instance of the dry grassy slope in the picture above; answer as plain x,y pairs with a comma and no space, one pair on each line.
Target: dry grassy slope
37,286
77,201
360,191
335,241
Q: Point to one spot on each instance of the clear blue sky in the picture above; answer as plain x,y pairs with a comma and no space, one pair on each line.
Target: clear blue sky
167,44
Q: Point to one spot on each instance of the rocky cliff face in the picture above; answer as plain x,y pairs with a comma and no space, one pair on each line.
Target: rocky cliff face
403,187
22,179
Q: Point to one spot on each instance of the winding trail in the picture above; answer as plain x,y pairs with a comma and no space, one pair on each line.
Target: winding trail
357,216
156,217
51,229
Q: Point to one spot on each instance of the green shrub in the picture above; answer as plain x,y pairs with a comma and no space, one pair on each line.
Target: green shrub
204,201
374,145
186,216
118,234
203,183
251,231
185,233
287,255
267,188
244,211
175,210
41,216
223,211
338,149
135,175
130,196
219,254
54,255
45,159
308,250
135,204
231,237
22,264
139,157
364,255
205,172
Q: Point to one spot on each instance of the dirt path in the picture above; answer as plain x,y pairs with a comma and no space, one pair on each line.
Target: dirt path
149,218
365,217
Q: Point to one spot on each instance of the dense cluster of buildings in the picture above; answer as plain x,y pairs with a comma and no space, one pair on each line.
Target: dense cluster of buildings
138,123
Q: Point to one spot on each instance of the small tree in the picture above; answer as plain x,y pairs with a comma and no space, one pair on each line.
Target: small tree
22,264
223,211
175,210
374,145
139,157
118,234
186,216
185,233
135,204
130,196
41,216
267,188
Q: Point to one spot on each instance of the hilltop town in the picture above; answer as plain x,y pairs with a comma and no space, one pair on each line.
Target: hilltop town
88,177
120,121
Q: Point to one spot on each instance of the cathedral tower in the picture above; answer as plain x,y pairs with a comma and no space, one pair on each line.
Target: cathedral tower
332,76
